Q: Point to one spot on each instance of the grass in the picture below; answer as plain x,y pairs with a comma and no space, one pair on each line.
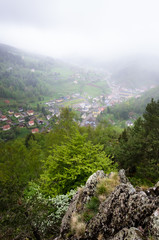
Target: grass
103,189
77,225
64,71
100,236
72,102
66,88
106,186
92,91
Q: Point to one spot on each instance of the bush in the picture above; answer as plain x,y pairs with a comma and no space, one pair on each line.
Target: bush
70,164
44,215
91,209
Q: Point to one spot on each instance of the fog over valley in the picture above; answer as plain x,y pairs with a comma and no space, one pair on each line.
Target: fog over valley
101,29
120,37
79,119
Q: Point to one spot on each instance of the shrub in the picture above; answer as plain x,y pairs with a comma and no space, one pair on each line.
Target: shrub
46,213
91,209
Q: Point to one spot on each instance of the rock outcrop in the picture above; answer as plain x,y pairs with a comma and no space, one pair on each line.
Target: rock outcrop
126,213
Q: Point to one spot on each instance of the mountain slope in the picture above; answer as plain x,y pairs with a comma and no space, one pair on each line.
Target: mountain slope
24,75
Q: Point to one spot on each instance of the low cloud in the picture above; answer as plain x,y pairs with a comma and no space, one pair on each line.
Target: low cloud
85,28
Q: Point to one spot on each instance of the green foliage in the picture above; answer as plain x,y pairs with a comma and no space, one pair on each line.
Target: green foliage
138,149
18,165
107,185
34,215
30,77
91,209
70,164
131,108
46,213
34,171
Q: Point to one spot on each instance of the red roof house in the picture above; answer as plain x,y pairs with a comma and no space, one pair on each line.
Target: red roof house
6,127
31,123
35,130
30,112
3,118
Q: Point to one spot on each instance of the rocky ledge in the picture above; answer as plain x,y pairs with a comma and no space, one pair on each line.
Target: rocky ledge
108,207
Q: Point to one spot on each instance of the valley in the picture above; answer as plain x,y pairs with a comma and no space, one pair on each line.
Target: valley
45,85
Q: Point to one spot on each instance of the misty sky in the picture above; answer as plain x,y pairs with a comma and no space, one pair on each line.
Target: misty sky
86,28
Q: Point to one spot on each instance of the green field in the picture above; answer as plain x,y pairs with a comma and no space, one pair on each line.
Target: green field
72,102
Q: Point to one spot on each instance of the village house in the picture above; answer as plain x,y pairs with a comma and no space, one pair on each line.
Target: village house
59,100
129,123
48,117
31,123
6,127
51,110
101,109
20,109
3,118
11,112
30,112
17,115
96,112
21,120
84,116
50,104
35,130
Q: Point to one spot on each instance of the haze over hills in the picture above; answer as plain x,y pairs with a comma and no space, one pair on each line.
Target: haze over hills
24,75
137,72
77,80
29,77
131,71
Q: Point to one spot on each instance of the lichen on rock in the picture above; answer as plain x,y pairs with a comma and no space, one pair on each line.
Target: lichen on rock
122,214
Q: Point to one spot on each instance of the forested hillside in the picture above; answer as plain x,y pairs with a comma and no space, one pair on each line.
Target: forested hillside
24,75
28,77
38,173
